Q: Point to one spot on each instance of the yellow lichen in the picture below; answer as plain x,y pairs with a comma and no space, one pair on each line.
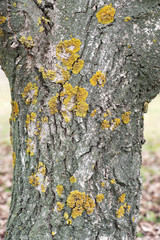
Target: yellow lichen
120,212
122,198
30,93
125,117
15,110
1,33
66,52
60,206
73,179
42,20
37,179
98,78
154,40
93,113
77,67
128,208
106,14
13,158
14,5
50,74
79,202
30,118
41,29
113,181
66,216
30,147
69,221
44,119
127,19
133,219
53,102
60,190
39,1
99,198
105,124
53,233
102,184
27,42
2,19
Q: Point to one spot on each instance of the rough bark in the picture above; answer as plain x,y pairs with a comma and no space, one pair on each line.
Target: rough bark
103,160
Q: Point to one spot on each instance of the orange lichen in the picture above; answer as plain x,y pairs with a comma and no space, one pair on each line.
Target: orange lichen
53,102
99,198
127,19
13,158
73,179
15,110
125,117
79,202
105,124
99,78
122,198
60,190
106,14
93,113
60,206
30,93
27,42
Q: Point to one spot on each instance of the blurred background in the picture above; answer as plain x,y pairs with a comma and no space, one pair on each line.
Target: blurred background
149,219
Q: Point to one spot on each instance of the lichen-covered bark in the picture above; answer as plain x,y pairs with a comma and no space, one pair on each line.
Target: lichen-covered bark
78,89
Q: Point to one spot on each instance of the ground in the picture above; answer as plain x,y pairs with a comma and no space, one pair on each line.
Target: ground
149,219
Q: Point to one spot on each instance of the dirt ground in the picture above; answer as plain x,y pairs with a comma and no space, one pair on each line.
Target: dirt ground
149,219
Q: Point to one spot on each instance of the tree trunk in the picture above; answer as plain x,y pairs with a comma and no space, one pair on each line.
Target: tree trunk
81,75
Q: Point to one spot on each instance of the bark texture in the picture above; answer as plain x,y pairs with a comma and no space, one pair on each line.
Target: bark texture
52,141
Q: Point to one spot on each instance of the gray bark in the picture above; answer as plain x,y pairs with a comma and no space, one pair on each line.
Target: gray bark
104,161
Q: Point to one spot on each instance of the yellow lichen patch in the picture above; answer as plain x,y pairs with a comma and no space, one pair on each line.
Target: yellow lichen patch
2,19
105,124
102,184
99,198
128,208
53,233
44,119
13,158
120,212
60,206
1,33
30,147
27,42
66,216
14,5
93,113
125,117
98,78
74,99
38,179
42,20
50,74
53,102
127,19
30,118
113,181
133,219
66,52
154,40
39,1
73,179
122,198
79,202
15,110
69,221
60,190
77,67
116,123
106,14
30,93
